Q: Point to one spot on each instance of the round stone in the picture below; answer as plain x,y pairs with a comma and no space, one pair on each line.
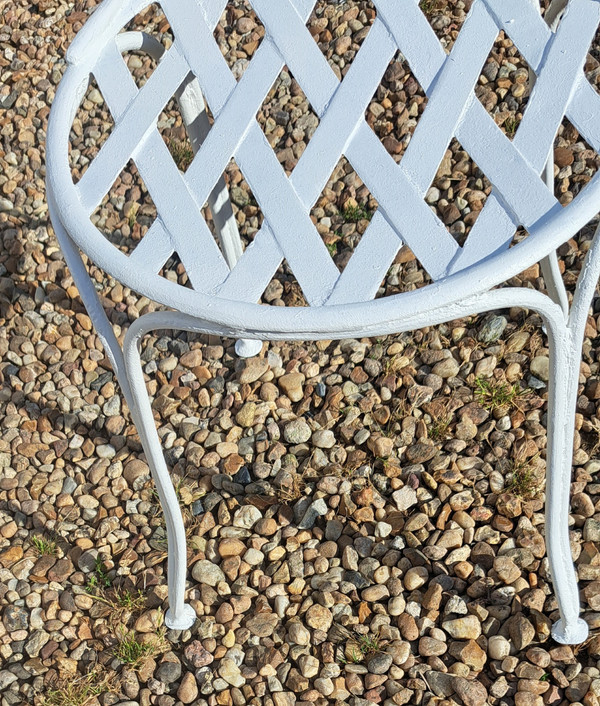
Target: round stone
297,432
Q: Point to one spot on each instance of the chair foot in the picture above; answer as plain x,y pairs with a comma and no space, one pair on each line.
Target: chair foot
248,348
573,634
184,621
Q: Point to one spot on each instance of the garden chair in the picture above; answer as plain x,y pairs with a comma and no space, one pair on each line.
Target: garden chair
227,281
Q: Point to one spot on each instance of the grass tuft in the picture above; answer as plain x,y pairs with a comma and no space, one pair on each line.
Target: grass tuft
438,429
510,126
79,691
354,214
525,480
100,578
133,215
132,651
428,7
44,547
360,648
182,153
492,394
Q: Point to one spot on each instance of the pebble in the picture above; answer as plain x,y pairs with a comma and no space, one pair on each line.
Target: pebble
405,498
319,617
379,663
316,509
230,672
472,692
467,628
492,329
446,368
168,671
498,647
323,439
246,517
292,386
540,367
206,572
297,432
187,692
196,655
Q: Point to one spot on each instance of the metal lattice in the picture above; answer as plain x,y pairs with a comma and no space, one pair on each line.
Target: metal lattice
520,198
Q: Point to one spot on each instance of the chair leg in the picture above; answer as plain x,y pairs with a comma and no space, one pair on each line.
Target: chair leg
564,367
247,347
193,111
179,616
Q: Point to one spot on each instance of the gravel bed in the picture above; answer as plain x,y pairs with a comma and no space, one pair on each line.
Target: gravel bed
364,517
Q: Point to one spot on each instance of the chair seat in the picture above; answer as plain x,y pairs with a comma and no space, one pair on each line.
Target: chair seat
520,198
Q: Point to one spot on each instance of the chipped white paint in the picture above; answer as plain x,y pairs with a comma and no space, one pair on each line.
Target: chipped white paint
228,281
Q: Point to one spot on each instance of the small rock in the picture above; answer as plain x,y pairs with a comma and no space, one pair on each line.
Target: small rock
196,656
379,663
540,367
447,368
206,572
381,446
506,569
188,689
405,498
472,692
430,647
525,698
323,439
298,634
297,431
292,384
136,473
263,624
522,632
245,417
230,672
470,653
318,508
168,671
15,618
492,329
415,578
467,628
319,617
498,647
383,530
231,547
35,643
6,679
246,516
254,369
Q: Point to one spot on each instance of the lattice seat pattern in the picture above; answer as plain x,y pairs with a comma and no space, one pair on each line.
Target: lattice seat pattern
227,282
520,197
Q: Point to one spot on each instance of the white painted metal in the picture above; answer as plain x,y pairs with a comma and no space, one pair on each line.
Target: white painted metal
227,282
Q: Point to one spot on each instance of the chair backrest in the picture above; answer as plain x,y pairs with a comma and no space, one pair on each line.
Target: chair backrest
520,198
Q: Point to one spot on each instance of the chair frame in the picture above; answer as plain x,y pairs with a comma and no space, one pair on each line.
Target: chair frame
465,279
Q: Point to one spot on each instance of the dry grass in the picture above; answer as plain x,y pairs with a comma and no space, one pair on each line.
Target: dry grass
79,691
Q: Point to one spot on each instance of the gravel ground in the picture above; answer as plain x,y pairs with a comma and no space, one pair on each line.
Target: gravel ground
365,517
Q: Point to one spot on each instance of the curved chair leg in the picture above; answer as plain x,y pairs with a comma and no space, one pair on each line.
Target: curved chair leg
564,367
180,616
90,298
565,356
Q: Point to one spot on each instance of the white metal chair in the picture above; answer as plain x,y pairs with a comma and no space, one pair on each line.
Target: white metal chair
227,283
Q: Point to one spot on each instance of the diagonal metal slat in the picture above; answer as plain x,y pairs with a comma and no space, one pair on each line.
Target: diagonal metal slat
188,231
